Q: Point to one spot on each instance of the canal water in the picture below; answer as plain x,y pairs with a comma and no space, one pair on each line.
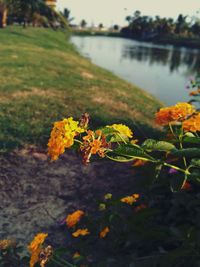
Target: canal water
162,70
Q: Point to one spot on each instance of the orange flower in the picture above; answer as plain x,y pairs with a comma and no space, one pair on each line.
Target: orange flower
187,186
74,218
94,143
130,199
81,232
35,247
139,163
76,255
104,232
192,124
140,207
176,113
193,93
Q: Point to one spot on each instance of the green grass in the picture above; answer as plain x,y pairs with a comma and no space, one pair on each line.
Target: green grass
44,79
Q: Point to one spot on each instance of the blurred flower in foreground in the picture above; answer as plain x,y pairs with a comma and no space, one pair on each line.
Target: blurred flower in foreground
35,248
104,232
81,232
6,244
45,255
102,206
108,196
130,199
139,163
140,207
76,255
172,171
187,186
74,218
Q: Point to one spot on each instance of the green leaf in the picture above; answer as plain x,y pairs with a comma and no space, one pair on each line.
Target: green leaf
153,145
190,139
133,151
187,152
195,163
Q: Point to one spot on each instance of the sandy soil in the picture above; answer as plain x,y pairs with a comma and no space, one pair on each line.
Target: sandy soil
37,194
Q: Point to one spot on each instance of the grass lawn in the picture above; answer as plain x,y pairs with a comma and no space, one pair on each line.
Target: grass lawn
43,78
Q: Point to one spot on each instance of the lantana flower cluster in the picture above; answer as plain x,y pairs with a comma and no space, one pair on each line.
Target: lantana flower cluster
68,131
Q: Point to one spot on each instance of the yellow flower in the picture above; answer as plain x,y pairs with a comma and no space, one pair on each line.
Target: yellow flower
108,196
104,232
130,199
81,232
102,206
122,129
76,255
192,124
74,218
176,113
62,136
35,248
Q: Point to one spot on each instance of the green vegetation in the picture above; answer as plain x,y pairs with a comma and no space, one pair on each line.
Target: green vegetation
180,32
43,79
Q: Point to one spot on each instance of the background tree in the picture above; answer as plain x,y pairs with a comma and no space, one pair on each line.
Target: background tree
83,23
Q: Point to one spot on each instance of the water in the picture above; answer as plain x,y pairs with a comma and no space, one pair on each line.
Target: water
161,70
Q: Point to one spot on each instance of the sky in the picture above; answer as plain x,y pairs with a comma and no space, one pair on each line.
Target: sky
111,12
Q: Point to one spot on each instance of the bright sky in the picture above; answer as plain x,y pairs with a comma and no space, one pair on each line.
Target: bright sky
111,12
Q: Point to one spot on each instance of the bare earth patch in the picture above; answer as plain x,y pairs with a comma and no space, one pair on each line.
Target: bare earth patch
37,194
87,75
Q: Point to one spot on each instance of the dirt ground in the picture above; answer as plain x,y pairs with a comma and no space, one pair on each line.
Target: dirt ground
36,194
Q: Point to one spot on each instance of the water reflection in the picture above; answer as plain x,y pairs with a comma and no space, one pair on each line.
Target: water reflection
161,70
171,56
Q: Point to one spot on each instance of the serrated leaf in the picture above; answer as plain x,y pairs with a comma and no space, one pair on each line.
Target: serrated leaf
132,151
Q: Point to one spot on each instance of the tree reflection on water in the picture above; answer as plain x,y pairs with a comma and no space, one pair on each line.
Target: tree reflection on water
171,56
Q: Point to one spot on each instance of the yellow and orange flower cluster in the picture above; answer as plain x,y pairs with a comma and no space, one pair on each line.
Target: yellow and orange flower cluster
177,113
122,130
62,136
35,248
130,199
74,218
192,124
94,143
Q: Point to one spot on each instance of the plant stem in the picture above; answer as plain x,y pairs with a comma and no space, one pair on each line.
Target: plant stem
67,264
78,141
122,138
177,168
172,131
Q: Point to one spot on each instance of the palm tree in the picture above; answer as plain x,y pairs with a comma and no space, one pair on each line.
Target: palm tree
25,10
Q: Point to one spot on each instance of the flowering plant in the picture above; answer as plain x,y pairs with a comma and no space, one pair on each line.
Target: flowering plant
155,225
115,142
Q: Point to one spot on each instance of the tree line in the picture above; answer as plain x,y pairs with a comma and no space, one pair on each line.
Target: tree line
145,27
